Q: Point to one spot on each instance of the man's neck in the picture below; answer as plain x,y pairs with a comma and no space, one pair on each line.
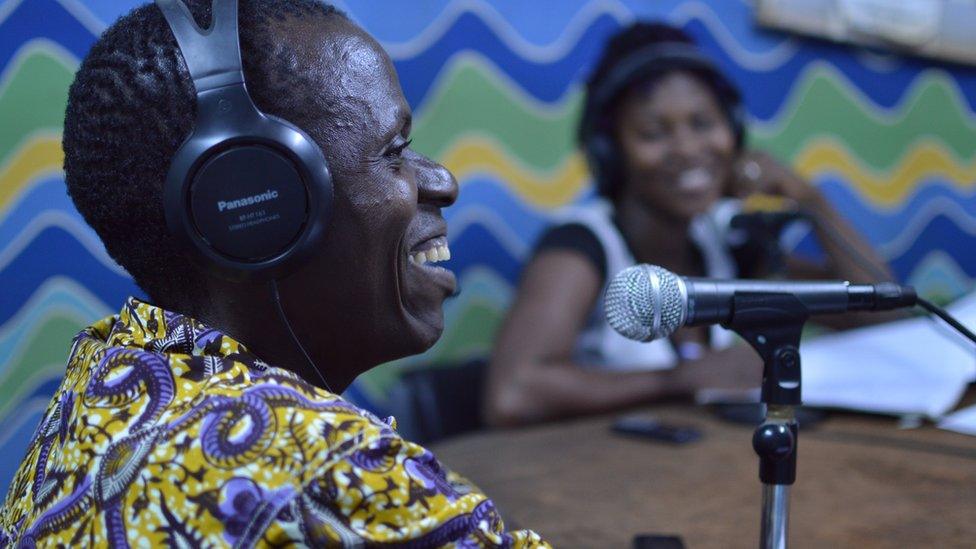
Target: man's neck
248,313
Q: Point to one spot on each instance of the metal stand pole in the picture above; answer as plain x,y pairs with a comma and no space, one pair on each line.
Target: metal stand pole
776,516
772,325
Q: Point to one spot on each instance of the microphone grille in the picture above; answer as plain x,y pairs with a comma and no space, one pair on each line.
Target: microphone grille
645,302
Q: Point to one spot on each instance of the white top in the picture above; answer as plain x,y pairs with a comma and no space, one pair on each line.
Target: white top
599,344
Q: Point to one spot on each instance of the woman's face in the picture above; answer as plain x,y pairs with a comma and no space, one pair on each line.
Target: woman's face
677,146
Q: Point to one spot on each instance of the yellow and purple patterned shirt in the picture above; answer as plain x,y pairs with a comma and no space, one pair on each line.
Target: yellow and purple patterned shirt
167,432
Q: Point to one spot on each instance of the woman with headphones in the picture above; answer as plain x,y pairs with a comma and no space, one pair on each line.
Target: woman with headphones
662,129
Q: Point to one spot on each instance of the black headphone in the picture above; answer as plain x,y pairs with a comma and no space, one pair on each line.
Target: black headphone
248,194
599,144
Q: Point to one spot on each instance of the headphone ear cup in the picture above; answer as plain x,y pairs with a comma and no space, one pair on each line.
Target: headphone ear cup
255,205
737,117
602,156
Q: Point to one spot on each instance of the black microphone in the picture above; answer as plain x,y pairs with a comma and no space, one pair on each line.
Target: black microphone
760,226
647,302
761,232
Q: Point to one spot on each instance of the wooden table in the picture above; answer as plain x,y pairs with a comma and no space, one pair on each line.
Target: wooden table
861,482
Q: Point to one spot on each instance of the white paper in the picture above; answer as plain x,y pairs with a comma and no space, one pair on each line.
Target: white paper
914,366
963,421
910,22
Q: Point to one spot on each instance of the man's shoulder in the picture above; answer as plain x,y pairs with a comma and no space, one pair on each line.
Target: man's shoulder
310,427
219,448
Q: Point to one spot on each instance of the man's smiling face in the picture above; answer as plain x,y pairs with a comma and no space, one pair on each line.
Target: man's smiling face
373,293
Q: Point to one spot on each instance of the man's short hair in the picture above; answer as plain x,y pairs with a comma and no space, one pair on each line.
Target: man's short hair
130,107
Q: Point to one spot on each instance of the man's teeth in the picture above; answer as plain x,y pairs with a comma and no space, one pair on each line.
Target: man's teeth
433,255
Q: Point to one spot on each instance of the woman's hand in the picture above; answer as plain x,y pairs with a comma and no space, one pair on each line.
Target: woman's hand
757,172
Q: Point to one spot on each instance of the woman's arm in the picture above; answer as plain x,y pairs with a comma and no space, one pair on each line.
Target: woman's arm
532,376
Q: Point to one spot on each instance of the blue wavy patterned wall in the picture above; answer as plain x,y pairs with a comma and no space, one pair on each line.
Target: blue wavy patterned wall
496,90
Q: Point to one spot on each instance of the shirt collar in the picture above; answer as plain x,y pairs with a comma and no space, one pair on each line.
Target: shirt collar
192,344
148,327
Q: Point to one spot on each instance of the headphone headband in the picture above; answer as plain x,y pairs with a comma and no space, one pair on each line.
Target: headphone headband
655,57
213,55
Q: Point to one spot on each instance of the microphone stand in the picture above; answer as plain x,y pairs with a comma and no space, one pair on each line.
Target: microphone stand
772,324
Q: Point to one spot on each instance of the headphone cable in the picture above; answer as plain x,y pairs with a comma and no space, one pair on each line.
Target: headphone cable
284,319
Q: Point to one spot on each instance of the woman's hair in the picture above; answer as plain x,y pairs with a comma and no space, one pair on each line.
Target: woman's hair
636,58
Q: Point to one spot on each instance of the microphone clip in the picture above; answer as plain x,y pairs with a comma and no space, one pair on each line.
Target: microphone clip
772,323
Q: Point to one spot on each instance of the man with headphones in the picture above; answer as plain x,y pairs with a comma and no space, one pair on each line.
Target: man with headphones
249,166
